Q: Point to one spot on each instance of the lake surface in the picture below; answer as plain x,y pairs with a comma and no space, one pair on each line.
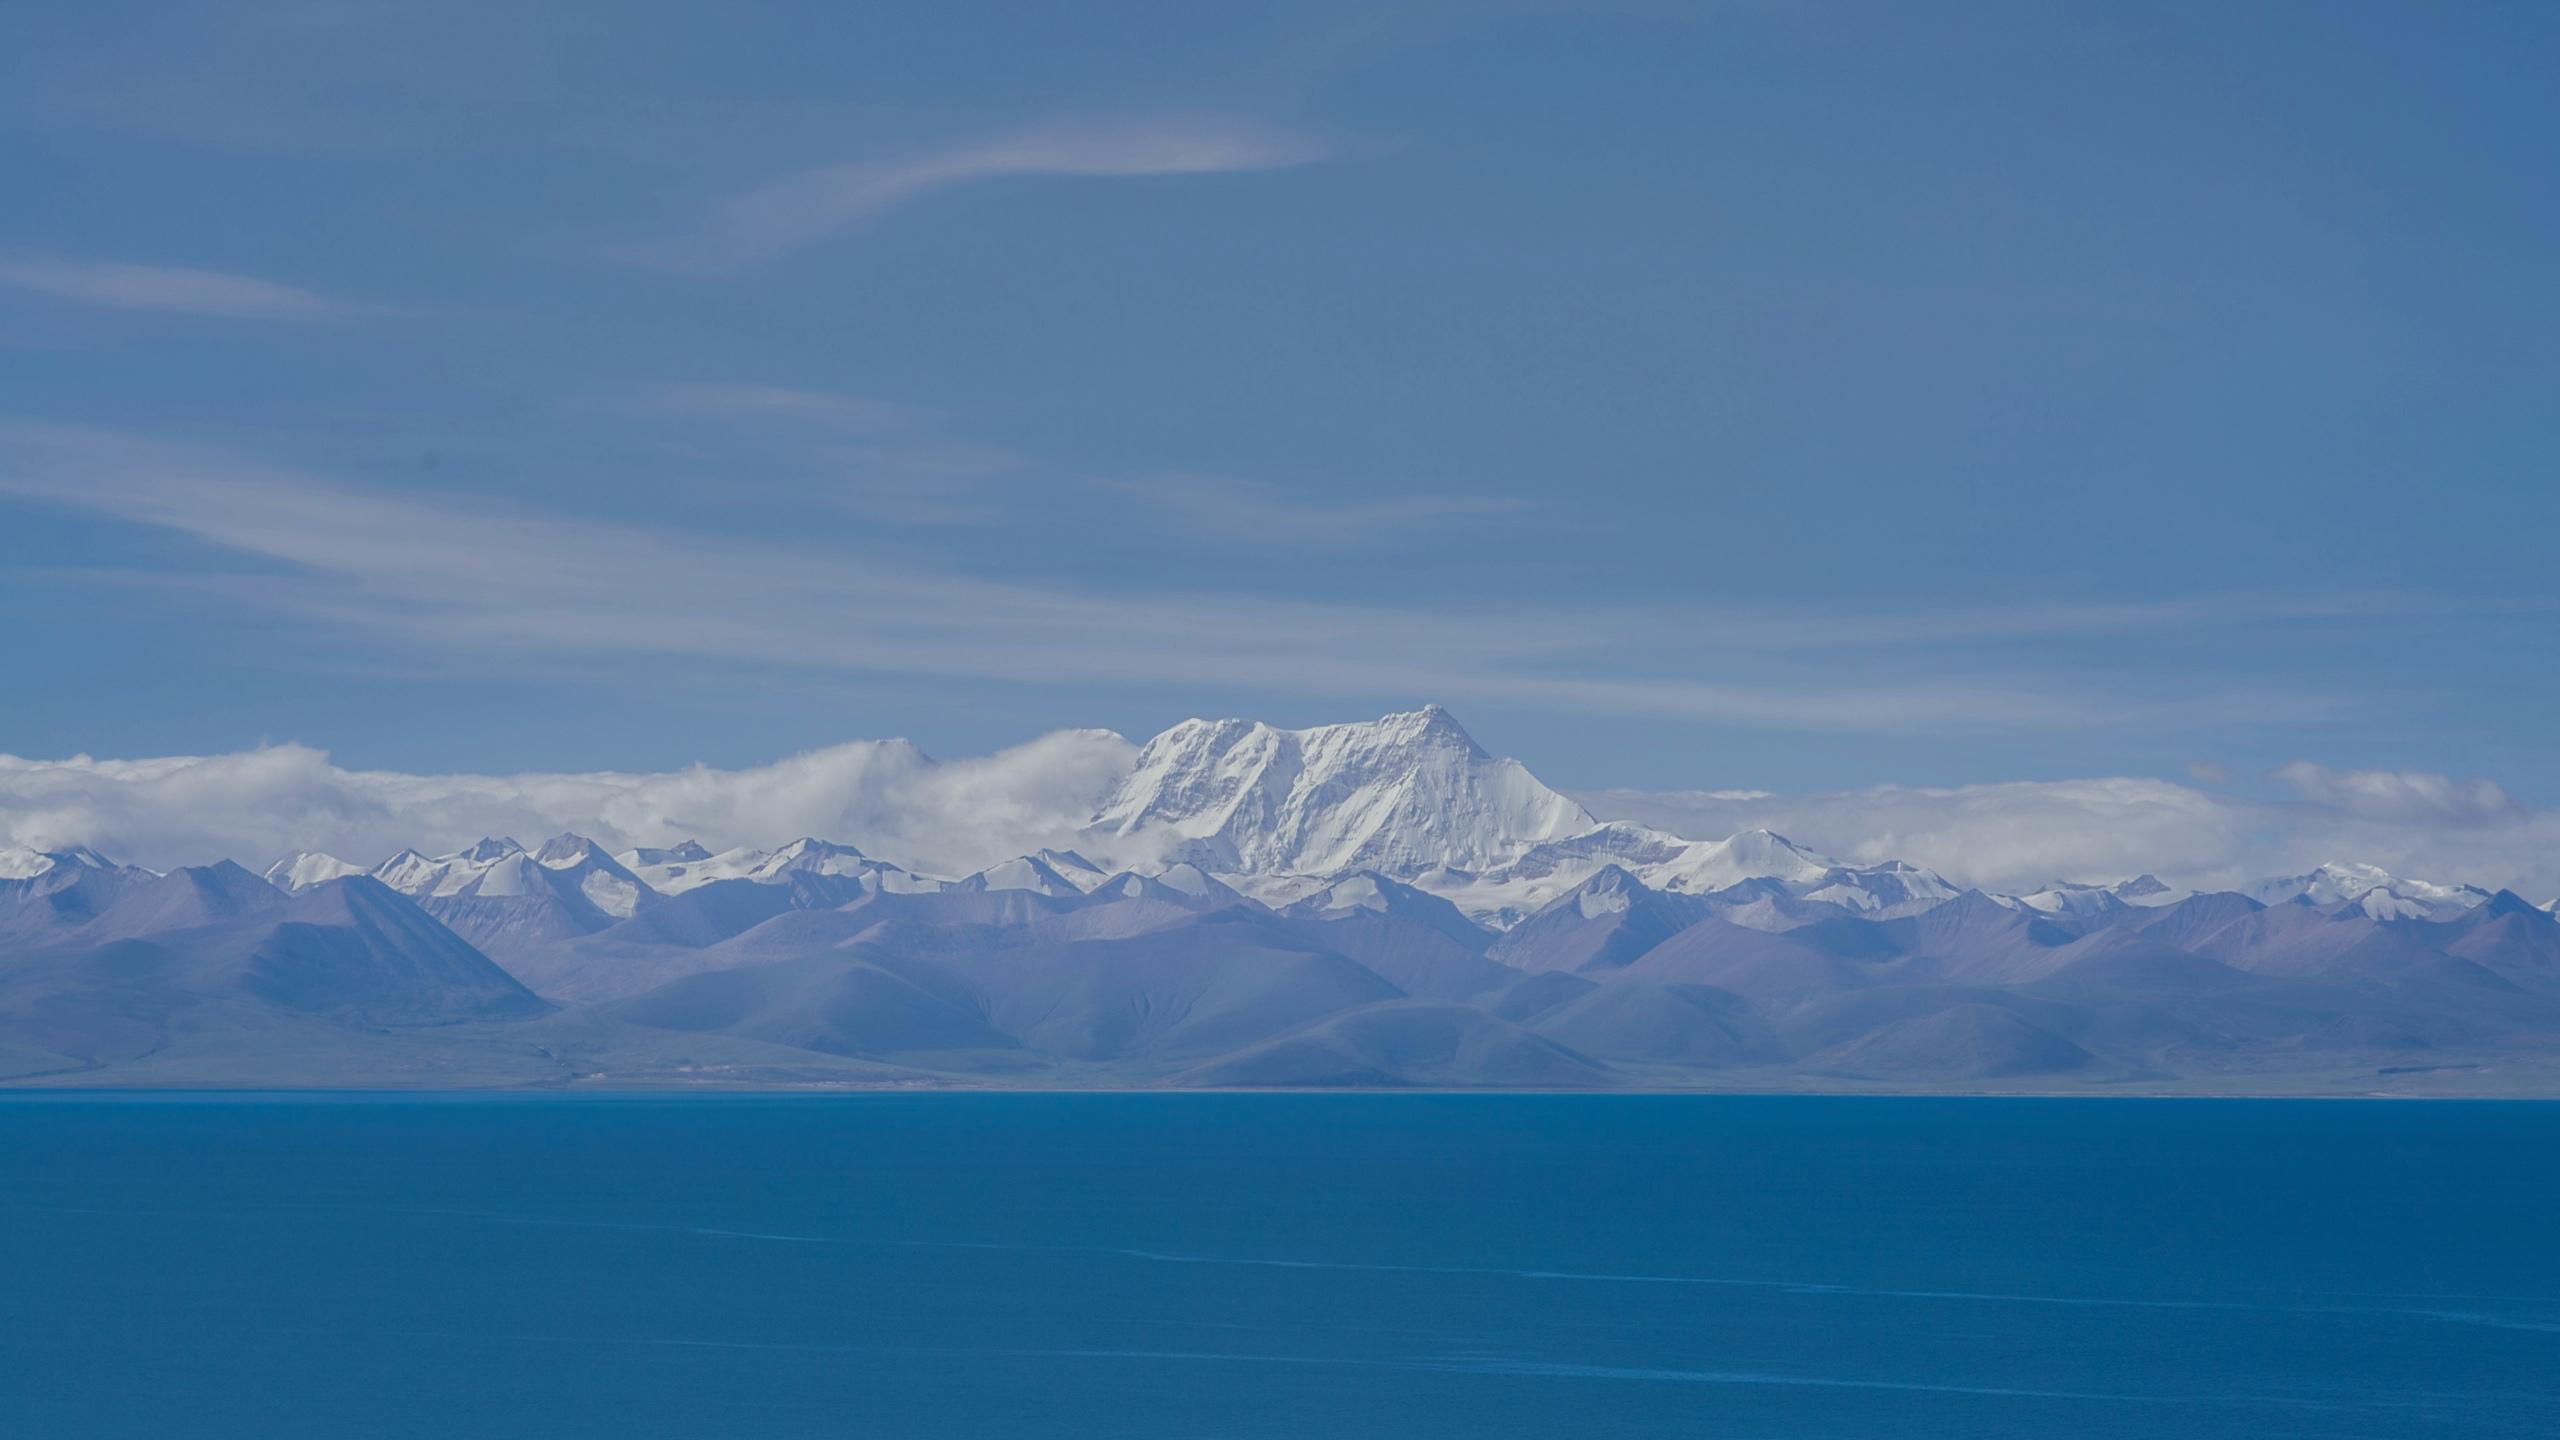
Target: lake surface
1283,1265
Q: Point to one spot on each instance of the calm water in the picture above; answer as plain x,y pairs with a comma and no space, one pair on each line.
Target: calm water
1208,1265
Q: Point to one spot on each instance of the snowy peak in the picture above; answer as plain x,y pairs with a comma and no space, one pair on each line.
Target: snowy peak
1199,884
1073,867
1668,864
1024,872
1432,724
2065,899
1713,865
1876,891
1883,892
605,882
1184,885
690,866
1362,890
303,869
566,849
812,856
1601,924
1613,891
1366,893
500,868
1400,794
23,862
409,873
2370,889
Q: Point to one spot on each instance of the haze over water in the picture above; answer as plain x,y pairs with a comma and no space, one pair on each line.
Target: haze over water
1270,1265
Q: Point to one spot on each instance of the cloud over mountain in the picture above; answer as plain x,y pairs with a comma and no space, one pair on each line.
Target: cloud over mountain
2021,834
952,817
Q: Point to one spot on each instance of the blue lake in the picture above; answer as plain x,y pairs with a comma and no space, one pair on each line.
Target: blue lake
1287,1265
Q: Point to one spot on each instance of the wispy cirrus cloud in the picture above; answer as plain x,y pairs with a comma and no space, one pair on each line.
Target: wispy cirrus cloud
880,458
482,578
730,400
170,289
800,209
1254,510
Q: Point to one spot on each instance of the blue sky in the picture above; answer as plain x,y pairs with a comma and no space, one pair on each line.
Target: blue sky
1795,396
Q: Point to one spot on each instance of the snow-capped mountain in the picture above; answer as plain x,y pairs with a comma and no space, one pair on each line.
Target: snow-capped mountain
1668,863
1712,865
1885,891
1025,872
1227,809
1378,903
22,862
468,871
1400,795
44,891
604,881
1058,873
1181,884
2370,888
689,866
568,866
2070,899
1879,891
304,869
809,855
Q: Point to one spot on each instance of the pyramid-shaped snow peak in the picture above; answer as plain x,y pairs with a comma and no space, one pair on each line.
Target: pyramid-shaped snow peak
24,862
566,849
1712,865
304,869
1400,795
811,855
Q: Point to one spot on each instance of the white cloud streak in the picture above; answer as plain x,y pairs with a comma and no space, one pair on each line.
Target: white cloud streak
169,289
878,458
804,208
1265,514
491,581
725,400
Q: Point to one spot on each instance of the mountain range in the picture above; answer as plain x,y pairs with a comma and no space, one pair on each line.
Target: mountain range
1371,904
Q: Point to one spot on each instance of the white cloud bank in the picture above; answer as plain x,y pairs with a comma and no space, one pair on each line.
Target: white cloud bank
2018,836
953,817
885,796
